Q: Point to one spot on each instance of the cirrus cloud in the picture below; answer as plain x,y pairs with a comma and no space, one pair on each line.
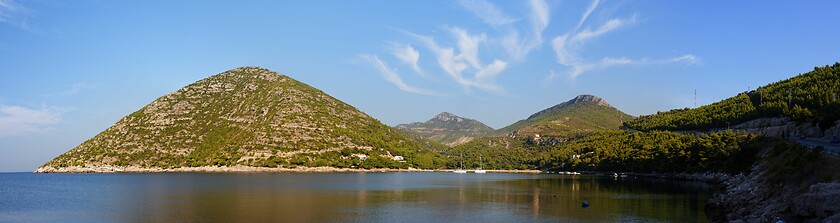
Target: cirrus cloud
569,47
409,56
392,76
15,14
22,121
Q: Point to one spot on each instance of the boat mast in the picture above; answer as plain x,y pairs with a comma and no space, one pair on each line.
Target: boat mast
462,161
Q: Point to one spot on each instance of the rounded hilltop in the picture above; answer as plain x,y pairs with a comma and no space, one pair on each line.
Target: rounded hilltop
247,116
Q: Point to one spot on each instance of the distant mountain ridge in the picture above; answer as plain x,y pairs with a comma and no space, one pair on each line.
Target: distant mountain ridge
582,113
448,129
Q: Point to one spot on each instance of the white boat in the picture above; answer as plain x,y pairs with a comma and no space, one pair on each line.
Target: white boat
461,168
480,170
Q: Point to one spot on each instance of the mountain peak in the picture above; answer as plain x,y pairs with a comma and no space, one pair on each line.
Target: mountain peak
446,116
448,128
588,98
579,100
584,112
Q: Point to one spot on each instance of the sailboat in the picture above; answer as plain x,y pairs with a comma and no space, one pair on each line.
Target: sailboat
461,168
480,170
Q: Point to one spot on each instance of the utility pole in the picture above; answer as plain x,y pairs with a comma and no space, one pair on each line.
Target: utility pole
695,98
790,97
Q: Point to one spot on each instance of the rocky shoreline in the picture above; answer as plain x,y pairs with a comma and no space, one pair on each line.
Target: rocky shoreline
213,169
790,184
240,169
745,199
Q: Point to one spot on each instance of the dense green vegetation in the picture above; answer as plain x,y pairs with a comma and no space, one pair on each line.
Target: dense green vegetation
658,151
426,142
583,113
654,151
811,97
499,152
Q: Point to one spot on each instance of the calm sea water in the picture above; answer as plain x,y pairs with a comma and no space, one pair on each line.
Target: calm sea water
345,197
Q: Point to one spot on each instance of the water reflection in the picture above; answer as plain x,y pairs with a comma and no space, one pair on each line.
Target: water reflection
366,197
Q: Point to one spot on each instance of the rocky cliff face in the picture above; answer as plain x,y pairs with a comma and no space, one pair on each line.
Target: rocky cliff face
784,127
449,129
246,116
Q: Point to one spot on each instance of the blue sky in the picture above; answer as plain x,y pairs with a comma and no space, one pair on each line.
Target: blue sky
70,69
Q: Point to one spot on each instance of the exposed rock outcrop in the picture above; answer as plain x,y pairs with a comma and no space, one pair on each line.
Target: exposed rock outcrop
784,127
788,183
822,200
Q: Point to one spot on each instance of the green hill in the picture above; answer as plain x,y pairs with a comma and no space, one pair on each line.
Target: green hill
426,142
496,152
808,97
251,117
516,147
449,129
583,113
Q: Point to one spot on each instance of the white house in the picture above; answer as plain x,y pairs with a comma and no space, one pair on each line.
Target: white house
362,157
399,158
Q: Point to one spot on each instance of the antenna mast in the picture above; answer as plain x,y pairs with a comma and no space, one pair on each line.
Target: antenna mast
695,98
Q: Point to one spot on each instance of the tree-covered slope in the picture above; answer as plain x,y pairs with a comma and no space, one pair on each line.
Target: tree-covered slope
655,151
583,113
614,150
811,97
496,152
426,142
248,116
449,129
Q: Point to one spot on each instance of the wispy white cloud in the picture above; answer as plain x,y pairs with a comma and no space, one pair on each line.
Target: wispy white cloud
567,47
577,66
15,14
466,60
549,78
491,70
459,56
687,59
468,46
586,13
607,27
392,76
539,15
76,88
487,12
21,121
409,56
519,46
